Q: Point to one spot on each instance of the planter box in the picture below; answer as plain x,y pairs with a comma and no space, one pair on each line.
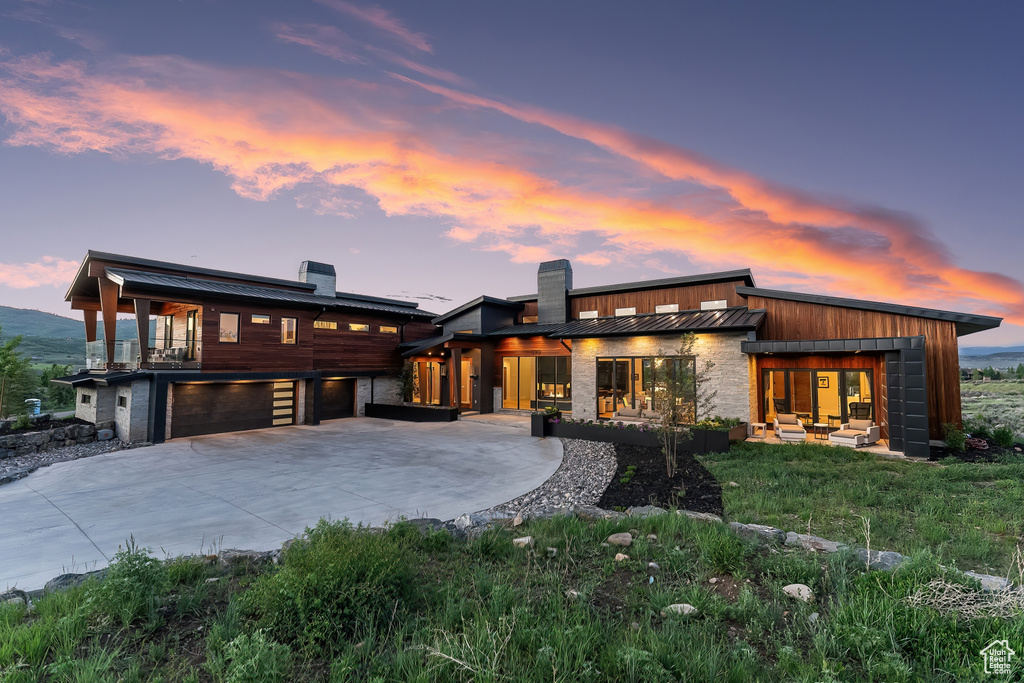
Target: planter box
738,433
538,422
567,430
412,413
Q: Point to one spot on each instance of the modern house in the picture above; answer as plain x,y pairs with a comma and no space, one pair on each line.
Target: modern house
217,351
596,350
232,351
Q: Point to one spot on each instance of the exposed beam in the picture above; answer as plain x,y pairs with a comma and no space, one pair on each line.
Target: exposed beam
108,308
83,303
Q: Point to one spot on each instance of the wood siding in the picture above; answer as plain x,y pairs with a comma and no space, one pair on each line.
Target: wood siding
525,346
529,309
794,320
688,297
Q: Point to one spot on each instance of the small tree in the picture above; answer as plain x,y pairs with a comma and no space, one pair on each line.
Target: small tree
58,396
17,380
681,396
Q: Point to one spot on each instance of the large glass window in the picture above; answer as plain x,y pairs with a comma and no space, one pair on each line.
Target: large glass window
530,383
821,396
229,327
639,382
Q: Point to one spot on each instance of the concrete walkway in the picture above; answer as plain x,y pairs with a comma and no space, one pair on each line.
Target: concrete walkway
257,489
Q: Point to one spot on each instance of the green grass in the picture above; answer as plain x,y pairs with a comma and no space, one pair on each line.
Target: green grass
968,515
487,611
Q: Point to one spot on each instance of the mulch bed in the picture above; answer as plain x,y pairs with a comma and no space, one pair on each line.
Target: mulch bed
693,487
40,425
990,454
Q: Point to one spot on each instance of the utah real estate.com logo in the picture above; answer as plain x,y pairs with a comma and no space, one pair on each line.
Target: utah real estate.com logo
997,657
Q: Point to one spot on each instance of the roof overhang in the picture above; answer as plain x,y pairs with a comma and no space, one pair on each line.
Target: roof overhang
479,301
439,344
817,346
966,323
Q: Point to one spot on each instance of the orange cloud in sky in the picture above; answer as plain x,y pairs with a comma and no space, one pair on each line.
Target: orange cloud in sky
48,270
272,131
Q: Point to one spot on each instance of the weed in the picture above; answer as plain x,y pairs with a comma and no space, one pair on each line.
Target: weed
255,658
1003,436
628,475
954,437
132,588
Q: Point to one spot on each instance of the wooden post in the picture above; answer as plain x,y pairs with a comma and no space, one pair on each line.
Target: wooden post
90,325
108,307
142,328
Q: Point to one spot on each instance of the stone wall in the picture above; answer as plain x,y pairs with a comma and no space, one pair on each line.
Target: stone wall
387,391
100,406
46,440
363,395
131,420
730,375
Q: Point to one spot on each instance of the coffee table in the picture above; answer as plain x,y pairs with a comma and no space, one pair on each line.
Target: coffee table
820,431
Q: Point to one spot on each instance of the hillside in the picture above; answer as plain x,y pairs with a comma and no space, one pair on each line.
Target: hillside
32,323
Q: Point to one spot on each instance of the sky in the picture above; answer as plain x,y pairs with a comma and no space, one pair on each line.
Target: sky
436,151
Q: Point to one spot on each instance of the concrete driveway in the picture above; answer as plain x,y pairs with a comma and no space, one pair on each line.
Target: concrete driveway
256,489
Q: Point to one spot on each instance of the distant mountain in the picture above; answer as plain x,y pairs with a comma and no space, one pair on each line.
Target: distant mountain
32,323
988,350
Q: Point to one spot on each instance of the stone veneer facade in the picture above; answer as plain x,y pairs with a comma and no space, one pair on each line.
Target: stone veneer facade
131,420
730,375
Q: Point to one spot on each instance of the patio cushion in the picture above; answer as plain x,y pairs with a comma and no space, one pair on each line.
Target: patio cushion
787,418
629,412
790,428
861,425
849,433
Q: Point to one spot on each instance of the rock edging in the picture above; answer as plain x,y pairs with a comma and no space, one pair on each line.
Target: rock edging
48,439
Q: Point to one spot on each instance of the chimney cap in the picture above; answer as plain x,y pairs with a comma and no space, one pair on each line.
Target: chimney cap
557,264
317,267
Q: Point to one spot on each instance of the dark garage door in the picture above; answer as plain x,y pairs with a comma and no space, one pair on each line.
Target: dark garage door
216,408
337,398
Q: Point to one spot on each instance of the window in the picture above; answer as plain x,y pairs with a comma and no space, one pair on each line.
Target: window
463,331
229,328
324,325
260,319
642,382
625,311
168,331
122,401
587,315
536,382
358,327
529,319
388,329
289,328
86,399
667,308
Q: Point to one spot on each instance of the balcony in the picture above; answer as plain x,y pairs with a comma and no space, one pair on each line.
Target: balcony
163,354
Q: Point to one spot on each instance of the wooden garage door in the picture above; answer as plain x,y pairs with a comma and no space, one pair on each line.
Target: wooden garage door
337,398
216,408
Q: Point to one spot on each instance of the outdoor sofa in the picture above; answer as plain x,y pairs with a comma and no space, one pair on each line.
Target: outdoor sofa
856,433
789,427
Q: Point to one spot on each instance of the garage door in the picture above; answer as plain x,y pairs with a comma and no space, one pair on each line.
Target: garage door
337,398
216,408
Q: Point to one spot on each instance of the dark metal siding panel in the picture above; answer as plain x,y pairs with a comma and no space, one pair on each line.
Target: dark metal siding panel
470,320
895,409
915,402
337,398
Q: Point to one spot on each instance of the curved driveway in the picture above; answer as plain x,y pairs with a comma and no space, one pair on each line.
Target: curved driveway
257,489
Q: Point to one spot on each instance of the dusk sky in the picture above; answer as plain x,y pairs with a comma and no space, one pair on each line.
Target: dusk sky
871,150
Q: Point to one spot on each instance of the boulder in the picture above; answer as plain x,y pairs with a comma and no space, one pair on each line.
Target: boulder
104,434
989,583
234,558
6,453
799,591
623,539
25,449
883,560
700,516
14,596
58,434
759,531
425,524
683,608
593,513
621,557
646,511
65,581
816,543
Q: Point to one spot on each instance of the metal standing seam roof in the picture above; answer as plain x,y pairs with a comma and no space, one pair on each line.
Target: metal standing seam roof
526,329
663,323
176,283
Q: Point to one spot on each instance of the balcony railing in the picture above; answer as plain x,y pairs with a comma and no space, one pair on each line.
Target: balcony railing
163,354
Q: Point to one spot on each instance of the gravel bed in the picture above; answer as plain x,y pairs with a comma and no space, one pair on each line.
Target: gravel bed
586,469
20,466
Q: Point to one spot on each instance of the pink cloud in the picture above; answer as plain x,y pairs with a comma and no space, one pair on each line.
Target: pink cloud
48,270
382,20
323,40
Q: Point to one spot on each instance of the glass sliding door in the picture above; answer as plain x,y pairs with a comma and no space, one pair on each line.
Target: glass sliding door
510,383
857,395
527,383
824,396
774,394
532,383
829,408
801,394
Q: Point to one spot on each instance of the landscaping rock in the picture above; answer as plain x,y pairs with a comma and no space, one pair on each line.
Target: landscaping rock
759,531
989,583
734,484
652,538
702,516
592,513
816,543
104,434
65,581
522,541
684,609
712,580
14,596
883,560
425,524
646,511
621,557
234,558
798,591
623,539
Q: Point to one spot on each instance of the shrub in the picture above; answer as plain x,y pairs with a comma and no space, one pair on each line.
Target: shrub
334,583
955,439
1003,436
23,422
256,658
132,588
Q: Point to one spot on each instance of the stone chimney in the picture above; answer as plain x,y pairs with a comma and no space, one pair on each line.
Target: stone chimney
554,280
320,274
